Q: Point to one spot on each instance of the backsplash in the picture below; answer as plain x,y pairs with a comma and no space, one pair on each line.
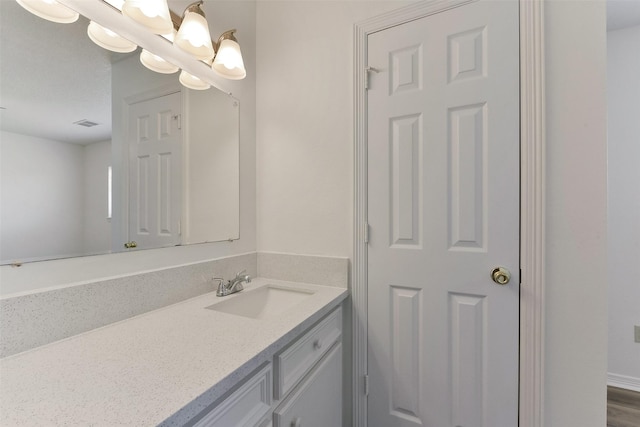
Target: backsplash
318,270
35,319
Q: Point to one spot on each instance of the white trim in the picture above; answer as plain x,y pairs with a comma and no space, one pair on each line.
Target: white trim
532,209
623,381
532,202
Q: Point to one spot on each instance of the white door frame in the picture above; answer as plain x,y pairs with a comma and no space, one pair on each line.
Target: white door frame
532,200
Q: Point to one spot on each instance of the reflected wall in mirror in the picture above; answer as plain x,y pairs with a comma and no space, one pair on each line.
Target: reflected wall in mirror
65,183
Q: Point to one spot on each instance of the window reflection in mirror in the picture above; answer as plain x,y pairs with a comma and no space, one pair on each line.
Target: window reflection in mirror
54,198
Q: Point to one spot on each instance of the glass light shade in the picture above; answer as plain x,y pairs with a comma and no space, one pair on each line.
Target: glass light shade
228,62
192,82
156,63
109,40
153,14
193,36
50,10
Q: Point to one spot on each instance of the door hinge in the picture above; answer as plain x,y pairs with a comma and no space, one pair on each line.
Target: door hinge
368,70
366,232
178,119
366,385
179,228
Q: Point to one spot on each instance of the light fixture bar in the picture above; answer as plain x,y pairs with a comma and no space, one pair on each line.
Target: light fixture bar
111,17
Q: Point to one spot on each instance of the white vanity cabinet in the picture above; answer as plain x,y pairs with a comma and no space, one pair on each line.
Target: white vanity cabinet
308,377
307,385
317,401
304,353
245,407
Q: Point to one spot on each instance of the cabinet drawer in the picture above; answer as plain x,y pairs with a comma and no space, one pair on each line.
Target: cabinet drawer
317,401
293,363
246,406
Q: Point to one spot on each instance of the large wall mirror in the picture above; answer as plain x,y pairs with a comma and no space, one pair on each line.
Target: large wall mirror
99,154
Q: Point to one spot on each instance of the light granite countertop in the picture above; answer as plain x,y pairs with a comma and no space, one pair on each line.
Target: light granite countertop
159,368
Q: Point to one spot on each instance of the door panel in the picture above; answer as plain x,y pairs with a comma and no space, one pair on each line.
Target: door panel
443,210
155,152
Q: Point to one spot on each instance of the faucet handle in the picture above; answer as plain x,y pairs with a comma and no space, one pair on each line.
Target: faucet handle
241,273
222,287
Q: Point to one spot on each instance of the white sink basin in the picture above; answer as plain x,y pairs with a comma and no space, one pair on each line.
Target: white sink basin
267,301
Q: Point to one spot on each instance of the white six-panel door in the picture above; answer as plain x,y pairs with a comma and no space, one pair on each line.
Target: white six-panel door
155,169
443,211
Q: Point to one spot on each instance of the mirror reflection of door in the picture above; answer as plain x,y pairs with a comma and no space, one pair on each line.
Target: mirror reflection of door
155,168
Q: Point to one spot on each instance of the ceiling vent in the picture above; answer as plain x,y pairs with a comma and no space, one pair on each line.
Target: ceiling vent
86,123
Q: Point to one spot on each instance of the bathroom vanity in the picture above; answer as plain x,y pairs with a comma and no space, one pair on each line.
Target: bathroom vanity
307,385
202,362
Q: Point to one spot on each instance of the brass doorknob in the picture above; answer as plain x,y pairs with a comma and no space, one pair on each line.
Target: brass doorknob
501,275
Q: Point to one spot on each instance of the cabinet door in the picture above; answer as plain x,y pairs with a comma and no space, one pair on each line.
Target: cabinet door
317,401
246,406
296,361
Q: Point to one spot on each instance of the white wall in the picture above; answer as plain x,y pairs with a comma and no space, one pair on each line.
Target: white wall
211,196
305,124
576,221
54,198
42,198
96,226
623,92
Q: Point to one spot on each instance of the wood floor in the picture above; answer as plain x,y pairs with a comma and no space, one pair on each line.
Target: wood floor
623,408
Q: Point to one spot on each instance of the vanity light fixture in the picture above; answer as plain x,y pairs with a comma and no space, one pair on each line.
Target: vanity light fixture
193,35
152,14
156,63
228,60
50,10
108,39
193,82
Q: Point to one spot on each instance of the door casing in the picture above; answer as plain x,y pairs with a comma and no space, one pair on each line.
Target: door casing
532,227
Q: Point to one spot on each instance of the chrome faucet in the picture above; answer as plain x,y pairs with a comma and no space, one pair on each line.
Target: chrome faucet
228,287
